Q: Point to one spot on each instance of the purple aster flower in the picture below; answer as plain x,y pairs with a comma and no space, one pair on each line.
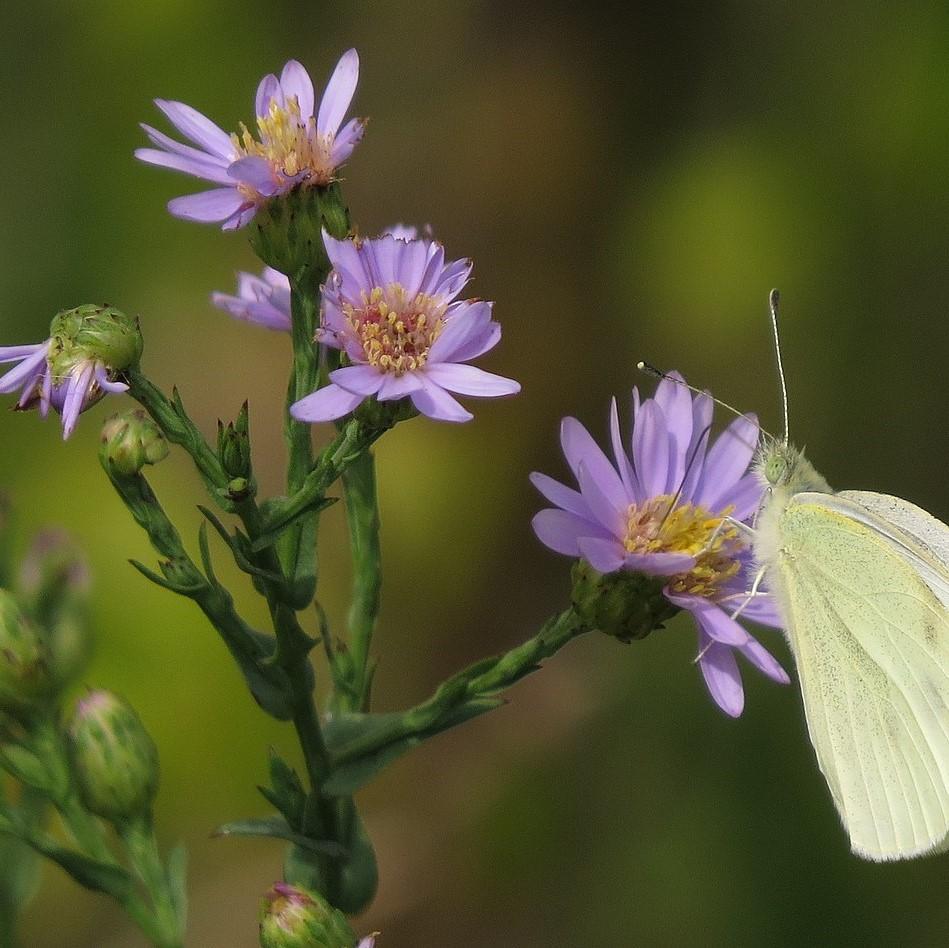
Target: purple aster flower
660,510
298,141
88,349
390,305
265,299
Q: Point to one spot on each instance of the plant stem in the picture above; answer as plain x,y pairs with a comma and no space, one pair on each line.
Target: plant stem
362,514
483,679
139,838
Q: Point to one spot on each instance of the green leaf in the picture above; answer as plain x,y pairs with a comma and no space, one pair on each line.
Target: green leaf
30,770
277,827
286,791
91,873
177,873
350,776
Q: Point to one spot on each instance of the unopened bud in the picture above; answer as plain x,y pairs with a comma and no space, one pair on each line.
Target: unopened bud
624,605
25,677
287,231
114,761
93,333
130,441
291,917
233,442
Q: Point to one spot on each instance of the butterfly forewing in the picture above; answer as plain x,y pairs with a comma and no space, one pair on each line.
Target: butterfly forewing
871,641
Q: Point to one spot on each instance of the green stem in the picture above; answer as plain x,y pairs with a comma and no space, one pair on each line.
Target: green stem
142,847
481,680
362,514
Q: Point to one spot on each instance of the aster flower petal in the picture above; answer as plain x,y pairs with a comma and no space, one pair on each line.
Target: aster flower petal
208,206
466,328
651,449
346,140
76,393
745,497
564,497
198,128
166,143
470,380
295,81
561,530
31,367
764,661
16,353
255,172
728,459
102,379
325,404
268,90
659,564
722,678
626,472
605,556
714,621
478,343
609,514
361,380
434,402
241,217
196,167
338,95
396,386
675,400
580,448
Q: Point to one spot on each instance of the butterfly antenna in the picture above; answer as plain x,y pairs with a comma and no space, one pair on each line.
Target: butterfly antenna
773,299
650,369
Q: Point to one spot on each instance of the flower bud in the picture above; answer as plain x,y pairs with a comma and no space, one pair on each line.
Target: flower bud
287,231
114,761
25,678
93,333
624,605
291,917
131,440
233,443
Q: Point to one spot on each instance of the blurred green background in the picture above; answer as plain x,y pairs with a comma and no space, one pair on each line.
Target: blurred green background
631,180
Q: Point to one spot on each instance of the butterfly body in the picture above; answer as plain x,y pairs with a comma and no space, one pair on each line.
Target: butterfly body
862,584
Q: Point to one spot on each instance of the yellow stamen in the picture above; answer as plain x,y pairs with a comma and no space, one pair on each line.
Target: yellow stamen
396,332
657,526
289,143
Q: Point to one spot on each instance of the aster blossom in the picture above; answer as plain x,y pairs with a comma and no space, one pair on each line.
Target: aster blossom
265,299
390,304
666,508
297,142
88,350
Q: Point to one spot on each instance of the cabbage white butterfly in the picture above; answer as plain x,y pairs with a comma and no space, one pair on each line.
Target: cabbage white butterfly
862,582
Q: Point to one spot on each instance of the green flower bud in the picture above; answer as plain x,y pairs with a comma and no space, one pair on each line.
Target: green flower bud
93,333
113,759
624,605
291,917
233,444
287,231
25,676
130,441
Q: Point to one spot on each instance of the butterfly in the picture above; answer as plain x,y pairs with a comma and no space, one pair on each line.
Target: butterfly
861,581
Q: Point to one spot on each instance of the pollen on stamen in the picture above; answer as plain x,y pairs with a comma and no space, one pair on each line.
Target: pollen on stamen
656,526
291,145
396,332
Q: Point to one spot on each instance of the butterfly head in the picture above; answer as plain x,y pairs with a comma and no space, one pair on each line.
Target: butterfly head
781,466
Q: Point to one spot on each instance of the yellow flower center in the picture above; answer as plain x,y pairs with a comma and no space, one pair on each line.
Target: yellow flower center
661,526
396,331
290,144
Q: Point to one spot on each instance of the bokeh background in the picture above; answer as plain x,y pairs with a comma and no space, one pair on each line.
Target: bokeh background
631,179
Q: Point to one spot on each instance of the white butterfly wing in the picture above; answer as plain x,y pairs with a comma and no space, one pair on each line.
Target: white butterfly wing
871,641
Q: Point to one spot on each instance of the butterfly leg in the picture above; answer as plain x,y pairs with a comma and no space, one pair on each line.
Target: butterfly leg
754,591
